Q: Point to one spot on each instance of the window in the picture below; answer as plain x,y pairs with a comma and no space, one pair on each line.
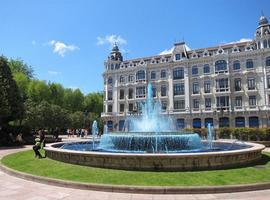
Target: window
110,94
195,70
130,93
122,94
110,125
177,56
207,103
164,105
178,89
253,122
153,75
220,66
109,108
252,100
196,88
163,90
122,107
110,80
197,123
122,79
236,65
154,91
222,102
208,121
267,62
207,87
178,73
251,83
140,91
140,75
130,107
224,122
163,73
268,81
121,125
130,78
239,122
179,104
206,69
196,103
222,85
265,44
180,123
237,84
249,64
238,102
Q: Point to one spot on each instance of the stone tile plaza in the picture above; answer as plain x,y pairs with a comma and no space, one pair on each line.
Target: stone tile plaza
87,113
225,85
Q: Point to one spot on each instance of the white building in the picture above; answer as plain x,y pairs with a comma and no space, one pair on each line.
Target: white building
225,85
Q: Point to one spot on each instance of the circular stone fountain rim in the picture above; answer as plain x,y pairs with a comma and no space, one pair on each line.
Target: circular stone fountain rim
252,147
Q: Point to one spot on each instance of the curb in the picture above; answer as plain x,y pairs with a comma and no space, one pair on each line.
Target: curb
138,189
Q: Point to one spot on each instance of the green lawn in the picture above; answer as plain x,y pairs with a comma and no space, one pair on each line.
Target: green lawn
25,162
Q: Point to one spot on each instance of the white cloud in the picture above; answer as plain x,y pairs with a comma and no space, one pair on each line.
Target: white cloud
238,41
54,72
34,42
61,48
111,40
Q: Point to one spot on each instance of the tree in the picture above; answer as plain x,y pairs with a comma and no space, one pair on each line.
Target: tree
11,104
57,94
73,100
18,66
22,83
77,119
93,102
39,91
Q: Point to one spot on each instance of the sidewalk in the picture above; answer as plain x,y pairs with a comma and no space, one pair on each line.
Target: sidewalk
20,189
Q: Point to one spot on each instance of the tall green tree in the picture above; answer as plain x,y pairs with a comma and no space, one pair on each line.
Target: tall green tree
73,100
11,104
93,102
39,91
57,94
22,82
18,66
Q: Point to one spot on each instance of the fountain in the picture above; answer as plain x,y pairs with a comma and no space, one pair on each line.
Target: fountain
152,143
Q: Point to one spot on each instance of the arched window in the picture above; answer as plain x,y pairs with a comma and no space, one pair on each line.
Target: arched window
208,121
236,65
197,123
265,44
178,73
110,80
180,123
249,64
140,75
224,122
239,122
267,61
253,122
220,65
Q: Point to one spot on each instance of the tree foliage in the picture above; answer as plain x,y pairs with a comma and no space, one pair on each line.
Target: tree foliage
11,105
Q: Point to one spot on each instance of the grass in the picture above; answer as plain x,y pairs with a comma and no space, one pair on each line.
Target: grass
25,162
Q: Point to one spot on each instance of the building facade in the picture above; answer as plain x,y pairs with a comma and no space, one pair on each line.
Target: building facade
227,85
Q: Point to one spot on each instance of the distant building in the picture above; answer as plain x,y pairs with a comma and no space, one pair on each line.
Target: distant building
226,85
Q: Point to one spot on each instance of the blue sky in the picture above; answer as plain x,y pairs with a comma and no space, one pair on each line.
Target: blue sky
67,41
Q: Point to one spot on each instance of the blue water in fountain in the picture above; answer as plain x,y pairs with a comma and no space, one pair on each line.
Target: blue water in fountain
151,132
94,133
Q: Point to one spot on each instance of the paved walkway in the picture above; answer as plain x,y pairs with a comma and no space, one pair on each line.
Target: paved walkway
20,189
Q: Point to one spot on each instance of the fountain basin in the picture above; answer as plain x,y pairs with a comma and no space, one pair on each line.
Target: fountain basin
161,161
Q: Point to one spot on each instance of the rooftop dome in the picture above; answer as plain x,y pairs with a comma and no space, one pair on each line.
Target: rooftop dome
263,20
115,48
